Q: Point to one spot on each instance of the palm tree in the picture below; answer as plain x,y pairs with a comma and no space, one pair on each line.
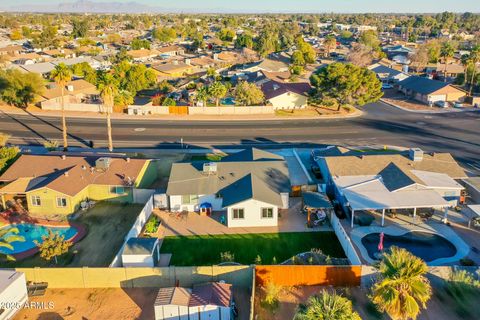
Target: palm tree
218,91
108,90
7,236
326,306
446,52
203,95
402,287
329,43
474,58
62,75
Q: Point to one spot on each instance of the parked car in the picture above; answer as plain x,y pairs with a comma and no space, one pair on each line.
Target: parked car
387,86
458,105
316,171
442,104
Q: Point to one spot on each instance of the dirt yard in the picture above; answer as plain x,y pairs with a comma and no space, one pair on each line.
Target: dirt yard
440,307
92,304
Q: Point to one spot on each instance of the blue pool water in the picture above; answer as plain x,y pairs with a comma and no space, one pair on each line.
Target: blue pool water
33,232
427,246
228,101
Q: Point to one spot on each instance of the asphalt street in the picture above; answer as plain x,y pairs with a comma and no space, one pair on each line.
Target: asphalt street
381,124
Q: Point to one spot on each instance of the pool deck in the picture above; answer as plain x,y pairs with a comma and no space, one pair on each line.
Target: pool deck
404,224
81,230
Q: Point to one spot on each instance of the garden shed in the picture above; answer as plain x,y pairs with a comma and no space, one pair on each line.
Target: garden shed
141,252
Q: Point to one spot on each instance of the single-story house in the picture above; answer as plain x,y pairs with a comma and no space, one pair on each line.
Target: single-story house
250,186
13,293
141,252
61,184
430,91
284,95
210,301
143,54
78,94
388,75
169,51
393,181
11,50
173,70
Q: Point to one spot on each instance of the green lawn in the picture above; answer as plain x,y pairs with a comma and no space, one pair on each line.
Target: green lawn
205,250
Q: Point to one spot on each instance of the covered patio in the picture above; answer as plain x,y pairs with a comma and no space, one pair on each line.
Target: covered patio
316,205
374,196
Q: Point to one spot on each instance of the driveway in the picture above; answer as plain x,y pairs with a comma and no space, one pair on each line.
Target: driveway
191,223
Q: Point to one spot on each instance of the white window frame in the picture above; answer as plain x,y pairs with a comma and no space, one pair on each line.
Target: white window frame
266,217
34,201
238,210
60,204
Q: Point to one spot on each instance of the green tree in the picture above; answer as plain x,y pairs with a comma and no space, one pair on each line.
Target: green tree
329,43
8,155
203,95
347,83
20,89
267,42
447,51
402,288
370,39
309,54
7,236
137,44
326,306
62,75
80,28
244,40
226,35
164,34
84,70
248,94
473,59
217,90
53,245
47,38
169,102
108,91
297,58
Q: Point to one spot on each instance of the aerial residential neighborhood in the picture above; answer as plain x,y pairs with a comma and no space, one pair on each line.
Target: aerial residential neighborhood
256,160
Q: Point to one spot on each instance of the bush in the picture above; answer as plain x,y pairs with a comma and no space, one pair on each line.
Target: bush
152,224
51,145
272,293
227,256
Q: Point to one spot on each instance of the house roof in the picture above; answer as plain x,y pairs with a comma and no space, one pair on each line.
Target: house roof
252,173
214,293
172,67
177,296
78,86
382,69
143,53
169,49
397,170
424,85
140,246
273,89
71,174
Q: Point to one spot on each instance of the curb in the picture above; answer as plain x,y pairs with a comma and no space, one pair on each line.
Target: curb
427,111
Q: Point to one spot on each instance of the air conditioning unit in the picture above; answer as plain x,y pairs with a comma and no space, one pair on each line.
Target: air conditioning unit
210,168
103,163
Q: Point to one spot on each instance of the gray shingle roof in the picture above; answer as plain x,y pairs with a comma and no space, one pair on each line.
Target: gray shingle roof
139,246
252,173
422,85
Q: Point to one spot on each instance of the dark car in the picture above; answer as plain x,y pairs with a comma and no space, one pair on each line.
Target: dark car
316,171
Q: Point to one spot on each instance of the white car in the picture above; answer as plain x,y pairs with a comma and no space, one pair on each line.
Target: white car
442,104
458,105
387,86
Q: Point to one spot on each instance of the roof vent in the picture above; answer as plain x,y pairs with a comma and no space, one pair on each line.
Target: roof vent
210,168
70,88
416,154
64,156
84,167
66,174
128,160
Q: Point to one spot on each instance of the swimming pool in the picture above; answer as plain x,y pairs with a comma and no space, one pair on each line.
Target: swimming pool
32,232
425,245
229,101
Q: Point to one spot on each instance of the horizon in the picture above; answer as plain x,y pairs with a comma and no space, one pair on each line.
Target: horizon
254,7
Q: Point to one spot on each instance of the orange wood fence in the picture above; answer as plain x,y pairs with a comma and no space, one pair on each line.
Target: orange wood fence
178,110
301,275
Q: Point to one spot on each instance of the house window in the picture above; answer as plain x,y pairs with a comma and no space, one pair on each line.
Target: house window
267,213
36,201
189,199
238,213
61,202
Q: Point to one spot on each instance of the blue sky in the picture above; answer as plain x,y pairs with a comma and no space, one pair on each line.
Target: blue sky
298,5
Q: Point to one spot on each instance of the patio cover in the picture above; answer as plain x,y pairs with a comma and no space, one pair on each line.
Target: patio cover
374,195
316,200
475,208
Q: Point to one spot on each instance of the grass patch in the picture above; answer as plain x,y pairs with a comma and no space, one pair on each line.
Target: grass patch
208,157
206,250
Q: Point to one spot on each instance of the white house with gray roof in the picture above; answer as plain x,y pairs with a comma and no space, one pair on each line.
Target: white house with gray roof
249,186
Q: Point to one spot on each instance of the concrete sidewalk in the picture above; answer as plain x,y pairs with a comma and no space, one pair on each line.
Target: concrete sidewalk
121,116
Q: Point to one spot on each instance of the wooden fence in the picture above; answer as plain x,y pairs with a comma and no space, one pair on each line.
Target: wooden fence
182,110
301,275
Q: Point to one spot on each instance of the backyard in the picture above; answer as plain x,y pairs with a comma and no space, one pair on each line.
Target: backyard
107,224
272,248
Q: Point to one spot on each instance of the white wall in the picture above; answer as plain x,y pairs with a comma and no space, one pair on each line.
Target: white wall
209,312
177,205
171,312
138,260
289,100
14,295
344,240
253,215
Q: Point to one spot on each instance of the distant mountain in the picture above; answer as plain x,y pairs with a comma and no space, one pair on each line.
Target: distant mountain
85,6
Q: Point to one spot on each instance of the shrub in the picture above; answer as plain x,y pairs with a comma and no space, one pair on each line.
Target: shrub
227,256
152,224
51,145
272,293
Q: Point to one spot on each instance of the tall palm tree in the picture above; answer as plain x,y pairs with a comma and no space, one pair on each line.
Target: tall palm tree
62,75
218,91
446,52
203,95
402,288
326,306
108,90
474,58
7,236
